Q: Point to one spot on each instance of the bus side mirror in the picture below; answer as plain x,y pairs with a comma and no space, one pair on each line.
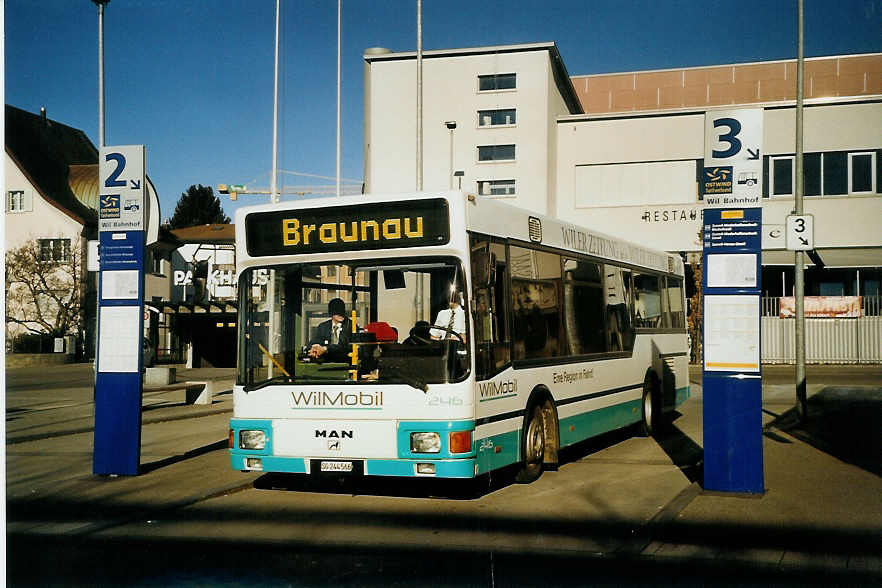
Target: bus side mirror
484,268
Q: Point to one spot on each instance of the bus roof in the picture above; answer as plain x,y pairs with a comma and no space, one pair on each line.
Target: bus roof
493,217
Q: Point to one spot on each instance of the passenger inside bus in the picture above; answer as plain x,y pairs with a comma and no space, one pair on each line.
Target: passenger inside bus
331,339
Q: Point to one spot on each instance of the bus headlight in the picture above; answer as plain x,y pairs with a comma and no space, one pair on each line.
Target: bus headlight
425,443
252,439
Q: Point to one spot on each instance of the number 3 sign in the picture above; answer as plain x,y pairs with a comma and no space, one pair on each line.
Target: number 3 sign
733,165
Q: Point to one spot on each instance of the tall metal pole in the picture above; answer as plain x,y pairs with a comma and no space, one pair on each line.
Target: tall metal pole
274,195
101,4
339,82
799,269
101,143
419,134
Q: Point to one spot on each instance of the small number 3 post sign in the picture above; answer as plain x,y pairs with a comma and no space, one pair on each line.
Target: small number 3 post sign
800,230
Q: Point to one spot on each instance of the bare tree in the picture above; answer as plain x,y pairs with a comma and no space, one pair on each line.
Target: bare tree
44,287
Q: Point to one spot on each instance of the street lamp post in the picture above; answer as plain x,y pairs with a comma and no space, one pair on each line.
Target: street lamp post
451,124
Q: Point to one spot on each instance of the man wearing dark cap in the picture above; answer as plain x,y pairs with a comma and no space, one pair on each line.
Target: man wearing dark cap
331,339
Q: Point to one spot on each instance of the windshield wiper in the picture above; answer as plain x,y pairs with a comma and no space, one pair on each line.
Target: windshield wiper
273,380
412,382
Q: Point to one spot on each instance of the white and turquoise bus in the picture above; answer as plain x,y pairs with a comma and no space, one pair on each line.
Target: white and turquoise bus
548,334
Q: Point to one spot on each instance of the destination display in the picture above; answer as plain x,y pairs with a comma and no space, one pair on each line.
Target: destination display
419,223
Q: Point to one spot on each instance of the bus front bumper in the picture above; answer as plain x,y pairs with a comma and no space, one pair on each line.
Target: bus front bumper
412,468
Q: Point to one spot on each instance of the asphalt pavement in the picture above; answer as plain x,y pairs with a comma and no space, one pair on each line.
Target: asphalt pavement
619,510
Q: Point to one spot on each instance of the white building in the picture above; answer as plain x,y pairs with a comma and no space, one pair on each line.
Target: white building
503,102
42,208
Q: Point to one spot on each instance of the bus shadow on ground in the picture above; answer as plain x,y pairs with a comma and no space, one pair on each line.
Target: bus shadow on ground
842,421
685,453
220,560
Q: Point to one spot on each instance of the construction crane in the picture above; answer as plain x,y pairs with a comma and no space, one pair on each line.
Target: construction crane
348,187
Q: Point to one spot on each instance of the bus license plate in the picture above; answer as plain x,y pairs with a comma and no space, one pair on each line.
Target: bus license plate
336,466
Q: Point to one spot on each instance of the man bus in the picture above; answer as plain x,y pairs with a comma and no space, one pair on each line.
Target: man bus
565,333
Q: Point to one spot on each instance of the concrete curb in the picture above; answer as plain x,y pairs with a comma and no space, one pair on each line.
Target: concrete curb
12,439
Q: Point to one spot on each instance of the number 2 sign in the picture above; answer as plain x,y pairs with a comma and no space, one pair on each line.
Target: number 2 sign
733,165
122,184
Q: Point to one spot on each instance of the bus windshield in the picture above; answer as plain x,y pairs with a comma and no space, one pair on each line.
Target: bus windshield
378,321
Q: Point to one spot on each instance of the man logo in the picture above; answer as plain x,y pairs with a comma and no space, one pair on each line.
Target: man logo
334,445
342,434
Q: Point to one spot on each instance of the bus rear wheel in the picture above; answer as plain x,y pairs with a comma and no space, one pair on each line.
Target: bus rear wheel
533,447
650,406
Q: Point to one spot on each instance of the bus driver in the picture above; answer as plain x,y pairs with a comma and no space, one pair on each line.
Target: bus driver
451,320
331,339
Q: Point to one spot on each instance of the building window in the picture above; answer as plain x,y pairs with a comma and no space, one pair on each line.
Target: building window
496,153
17,201
835,173
496,118
493,82
782,175
835,178
496,188
55,250
155,263
811,165
861,178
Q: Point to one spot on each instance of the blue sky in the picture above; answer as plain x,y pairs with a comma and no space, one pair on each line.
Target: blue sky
193,80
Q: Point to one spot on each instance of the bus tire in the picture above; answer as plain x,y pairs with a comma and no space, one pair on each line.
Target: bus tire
533,446
650,406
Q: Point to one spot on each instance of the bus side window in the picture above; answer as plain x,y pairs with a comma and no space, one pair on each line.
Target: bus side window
648,301
535,303
617,308
628,318
677,315
583,308
490,316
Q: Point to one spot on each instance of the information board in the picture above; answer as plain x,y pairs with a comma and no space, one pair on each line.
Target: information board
731,375
731,333
121,245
